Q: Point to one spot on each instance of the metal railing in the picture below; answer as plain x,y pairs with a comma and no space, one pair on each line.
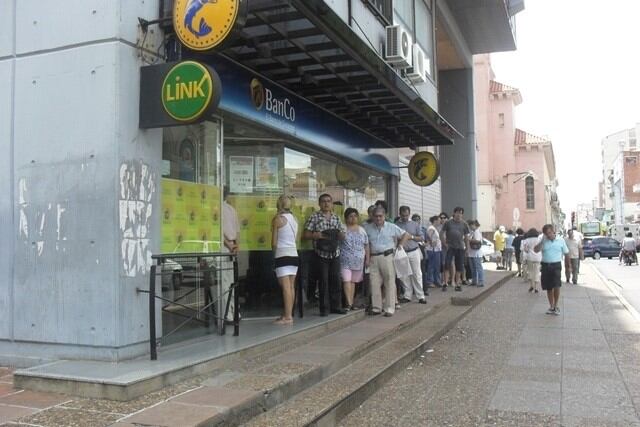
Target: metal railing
185,276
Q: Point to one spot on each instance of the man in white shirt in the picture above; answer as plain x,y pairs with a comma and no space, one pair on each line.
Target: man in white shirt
574,243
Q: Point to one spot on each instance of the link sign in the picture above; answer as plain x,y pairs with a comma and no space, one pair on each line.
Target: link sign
188,92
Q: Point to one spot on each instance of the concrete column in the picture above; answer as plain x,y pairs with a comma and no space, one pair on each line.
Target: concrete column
458,162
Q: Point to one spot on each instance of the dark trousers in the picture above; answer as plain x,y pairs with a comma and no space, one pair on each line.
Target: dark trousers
329,284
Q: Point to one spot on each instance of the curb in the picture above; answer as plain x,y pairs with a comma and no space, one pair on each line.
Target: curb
614,290
340,409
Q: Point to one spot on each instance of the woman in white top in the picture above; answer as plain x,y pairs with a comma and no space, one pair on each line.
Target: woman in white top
284,232
531,239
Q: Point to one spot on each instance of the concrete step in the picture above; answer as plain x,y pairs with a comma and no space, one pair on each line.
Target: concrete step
284,380
332,399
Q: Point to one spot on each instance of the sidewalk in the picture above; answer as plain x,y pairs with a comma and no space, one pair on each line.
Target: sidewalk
510,364
250,384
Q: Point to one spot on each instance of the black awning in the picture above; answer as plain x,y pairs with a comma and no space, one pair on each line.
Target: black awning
304,46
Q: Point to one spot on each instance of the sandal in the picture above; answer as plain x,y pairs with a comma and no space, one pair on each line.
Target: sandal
282,321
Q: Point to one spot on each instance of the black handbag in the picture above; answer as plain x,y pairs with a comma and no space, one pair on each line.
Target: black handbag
330,241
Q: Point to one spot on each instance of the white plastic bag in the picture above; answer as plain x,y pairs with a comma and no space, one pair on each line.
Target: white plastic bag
401,263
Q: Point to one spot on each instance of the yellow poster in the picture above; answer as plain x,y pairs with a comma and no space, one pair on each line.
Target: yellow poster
190,212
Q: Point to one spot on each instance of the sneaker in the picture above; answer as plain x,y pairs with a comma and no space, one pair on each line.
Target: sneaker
551,311
536,291
397,306
404,300
530,290
422,301
458,288
386,314
444,288
556,311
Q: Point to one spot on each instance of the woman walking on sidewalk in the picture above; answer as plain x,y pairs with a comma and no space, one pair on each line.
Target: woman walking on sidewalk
553,249
531,239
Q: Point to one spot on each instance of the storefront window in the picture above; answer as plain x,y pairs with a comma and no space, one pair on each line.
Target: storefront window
259,166
191,223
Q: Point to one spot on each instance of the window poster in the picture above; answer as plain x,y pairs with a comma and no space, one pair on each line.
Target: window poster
267,172
240,174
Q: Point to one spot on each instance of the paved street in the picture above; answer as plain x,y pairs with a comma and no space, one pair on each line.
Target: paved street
626,278
509,364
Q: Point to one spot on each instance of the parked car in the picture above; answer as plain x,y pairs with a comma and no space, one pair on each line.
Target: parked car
174,275
601,246
487,250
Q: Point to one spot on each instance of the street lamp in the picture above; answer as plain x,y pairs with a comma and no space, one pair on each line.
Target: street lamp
521,175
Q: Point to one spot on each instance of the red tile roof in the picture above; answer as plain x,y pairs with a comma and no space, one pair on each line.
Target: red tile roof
495,87
524,138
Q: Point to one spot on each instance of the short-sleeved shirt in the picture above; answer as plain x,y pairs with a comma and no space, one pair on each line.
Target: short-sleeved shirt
319,222
553,250
629,244
455,232
352,249
475,235
383,238
574,246
508,241
412,228
499,240
433,242
517,243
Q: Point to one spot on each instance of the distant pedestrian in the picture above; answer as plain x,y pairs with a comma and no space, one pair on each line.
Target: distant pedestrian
531,239
444,270
517,242
434,252
574,243
423,264
455,233
553,249
354,255
499,243
508,250
412,284
474,254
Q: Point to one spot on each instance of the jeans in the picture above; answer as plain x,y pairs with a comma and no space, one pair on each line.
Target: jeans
477,272
329,283
433,267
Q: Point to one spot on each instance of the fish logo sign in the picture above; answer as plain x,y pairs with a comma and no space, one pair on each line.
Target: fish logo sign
202,25
424,169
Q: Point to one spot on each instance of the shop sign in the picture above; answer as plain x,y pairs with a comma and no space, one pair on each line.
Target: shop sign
424,169
278,107
177,93
187,91
202,25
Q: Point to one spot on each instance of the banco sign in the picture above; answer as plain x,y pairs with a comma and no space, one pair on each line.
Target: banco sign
281,107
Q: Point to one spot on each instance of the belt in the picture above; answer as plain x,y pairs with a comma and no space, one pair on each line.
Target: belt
385,253
551,263
411,250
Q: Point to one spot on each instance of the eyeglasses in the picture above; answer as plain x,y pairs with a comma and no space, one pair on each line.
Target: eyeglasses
443,217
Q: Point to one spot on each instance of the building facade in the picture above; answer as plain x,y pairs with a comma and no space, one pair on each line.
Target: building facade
616,200
516,170
310,103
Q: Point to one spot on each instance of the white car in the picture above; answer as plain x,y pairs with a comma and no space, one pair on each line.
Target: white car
487,250
173,273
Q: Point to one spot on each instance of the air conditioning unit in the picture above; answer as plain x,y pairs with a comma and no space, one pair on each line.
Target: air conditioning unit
398,46
417,73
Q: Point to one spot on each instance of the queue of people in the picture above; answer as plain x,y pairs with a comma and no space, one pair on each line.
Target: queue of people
397,261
